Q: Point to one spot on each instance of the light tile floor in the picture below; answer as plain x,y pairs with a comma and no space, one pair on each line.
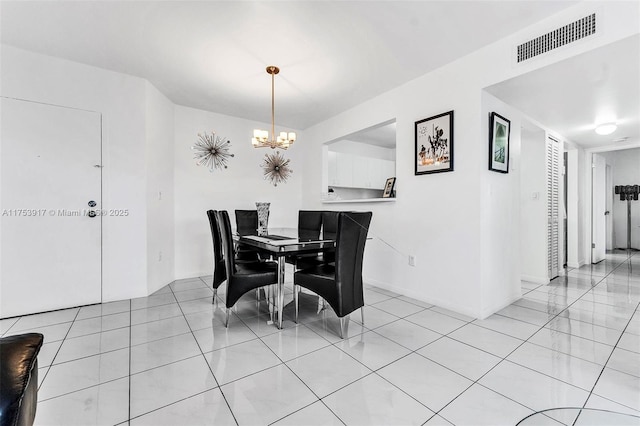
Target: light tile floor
167,359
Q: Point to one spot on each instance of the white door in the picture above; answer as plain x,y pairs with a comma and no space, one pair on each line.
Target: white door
599,207
50,248
609,193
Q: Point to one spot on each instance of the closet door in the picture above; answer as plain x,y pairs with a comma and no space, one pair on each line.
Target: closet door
553,206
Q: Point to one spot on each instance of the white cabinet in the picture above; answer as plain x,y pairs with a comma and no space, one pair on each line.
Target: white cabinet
332,160
340,169
374,173
360,172
387,170
345,170
353,171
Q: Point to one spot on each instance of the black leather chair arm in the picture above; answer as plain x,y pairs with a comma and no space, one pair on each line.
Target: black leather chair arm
19,378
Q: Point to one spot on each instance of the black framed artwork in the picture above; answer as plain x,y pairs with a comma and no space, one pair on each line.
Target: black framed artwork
499,130
388,187
434,144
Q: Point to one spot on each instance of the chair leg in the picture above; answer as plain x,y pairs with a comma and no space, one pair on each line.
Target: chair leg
215,293
269,295
226,321
344,326
362,315
296,288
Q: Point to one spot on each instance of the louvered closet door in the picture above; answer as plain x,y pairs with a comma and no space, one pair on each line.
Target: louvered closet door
553,206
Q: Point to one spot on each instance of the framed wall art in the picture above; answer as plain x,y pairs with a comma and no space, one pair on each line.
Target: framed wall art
434,144
388,187
499,130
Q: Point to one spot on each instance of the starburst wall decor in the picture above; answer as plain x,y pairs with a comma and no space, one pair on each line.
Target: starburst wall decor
212,151
276,168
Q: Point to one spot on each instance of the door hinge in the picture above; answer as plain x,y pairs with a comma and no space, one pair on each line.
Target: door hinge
593,245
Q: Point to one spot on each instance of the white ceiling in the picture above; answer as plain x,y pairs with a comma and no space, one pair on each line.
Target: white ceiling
571,96
212,55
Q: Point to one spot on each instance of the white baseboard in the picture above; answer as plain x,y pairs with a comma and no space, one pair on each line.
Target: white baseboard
418,296
191,275
535,280
492,310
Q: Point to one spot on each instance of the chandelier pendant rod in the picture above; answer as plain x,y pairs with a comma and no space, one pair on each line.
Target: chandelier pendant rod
261,138
273,109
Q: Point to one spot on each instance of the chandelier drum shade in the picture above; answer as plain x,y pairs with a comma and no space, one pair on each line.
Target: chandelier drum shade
261,138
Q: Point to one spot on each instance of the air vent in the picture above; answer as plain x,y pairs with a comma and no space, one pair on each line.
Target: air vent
568,34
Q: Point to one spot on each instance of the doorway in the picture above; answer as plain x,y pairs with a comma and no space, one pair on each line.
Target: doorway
598,208
50,200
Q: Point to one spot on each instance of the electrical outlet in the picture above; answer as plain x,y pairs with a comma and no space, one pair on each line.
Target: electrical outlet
412,260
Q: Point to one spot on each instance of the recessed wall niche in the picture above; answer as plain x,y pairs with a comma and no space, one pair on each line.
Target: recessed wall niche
358,165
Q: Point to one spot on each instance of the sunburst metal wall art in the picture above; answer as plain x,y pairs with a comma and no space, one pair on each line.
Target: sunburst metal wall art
212,151
276,168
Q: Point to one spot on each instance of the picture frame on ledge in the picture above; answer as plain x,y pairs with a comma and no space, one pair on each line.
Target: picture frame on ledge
388,188
499,134
434,144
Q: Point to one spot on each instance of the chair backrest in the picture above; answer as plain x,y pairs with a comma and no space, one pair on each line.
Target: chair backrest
309,224
227,242
350,241
329,222
219,270
247,222
215,235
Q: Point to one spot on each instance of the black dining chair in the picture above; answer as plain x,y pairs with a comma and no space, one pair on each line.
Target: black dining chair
309,226
246,224
329,229
219,271
242,277
340,283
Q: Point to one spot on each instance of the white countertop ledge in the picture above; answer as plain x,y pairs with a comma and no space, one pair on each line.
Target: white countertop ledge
361,200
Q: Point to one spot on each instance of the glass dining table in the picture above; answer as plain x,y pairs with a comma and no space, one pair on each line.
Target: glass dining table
282,242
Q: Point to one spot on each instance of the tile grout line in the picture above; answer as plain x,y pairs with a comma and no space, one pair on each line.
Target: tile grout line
605,366
318,399
204,356
130,362
509,354
60,347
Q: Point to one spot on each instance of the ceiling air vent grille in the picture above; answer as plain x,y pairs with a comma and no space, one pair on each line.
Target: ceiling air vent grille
564,35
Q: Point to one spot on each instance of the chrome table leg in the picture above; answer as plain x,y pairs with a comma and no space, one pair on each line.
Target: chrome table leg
280,291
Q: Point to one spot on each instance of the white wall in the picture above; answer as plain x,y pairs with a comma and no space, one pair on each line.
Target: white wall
238,187
121,101
439,217
500,216
159,187
533,200
625,167
363,150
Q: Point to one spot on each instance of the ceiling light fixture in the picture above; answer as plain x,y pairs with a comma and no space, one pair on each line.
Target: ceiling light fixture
606,128
261,137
